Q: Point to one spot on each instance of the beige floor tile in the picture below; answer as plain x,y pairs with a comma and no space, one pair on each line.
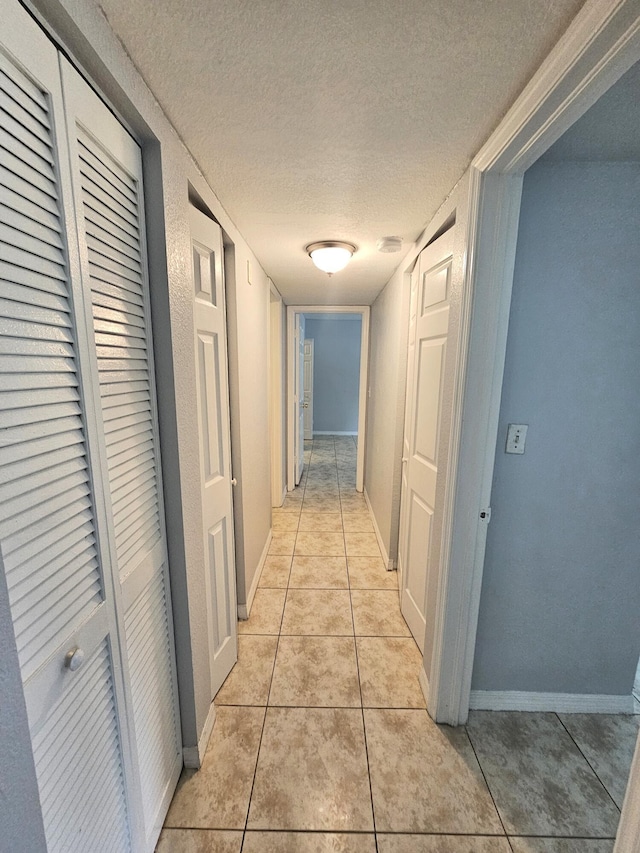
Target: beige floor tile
361,544
275,572
560,845
316,503
312,772
320,544
389,669
217,795
425,778
320,612
319,573
249,680
317,522
308,842
292,502
285,521
316,672
352,501
376,613
357,522
540,781
442,844
370,573
266,613
608,742
282,543
199,841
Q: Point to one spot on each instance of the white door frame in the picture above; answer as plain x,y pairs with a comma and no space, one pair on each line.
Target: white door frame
364,312
309,403
276,396
600,45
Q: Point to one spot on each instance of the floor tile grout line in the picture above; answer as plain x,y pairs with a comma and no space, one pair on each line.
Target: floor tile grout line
264,722
486,782
364,725
593,769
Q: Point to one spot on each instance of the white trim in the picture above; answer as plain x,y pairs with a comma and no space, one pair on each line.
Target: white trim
245,609
365,313
567,703
389,564
332,432
194,755
600,45
275,330
628,838
424,684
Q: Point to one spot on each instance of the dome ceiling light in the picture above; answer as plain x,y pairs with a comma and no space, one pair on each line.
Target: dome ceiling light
330,256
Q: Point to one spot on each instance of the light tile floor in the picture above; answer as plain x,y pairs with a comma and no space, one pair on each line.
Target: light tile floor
322,743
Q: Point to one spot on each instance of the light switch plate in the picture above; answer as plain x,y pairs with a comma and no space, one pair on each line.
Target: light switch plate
516,438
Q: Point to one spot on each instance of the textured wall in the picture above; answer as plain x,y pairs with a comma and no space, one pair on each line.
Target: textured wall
560,596
336,372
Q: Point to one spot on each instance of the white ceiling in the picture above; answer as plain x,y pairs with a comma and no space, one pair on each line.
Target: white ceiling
609,131
335,119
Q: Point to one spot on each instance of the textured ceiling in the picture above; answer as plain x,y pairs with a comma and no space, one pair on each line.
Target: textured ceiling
609,131
335,119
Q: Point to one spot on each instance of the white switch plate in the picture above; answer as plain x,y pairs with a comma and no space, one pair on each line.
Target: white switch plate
516,438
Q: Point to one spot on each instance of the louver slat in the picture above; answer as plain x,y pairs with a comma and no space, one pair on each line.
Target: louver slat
152,691
78,765
46,517
110,199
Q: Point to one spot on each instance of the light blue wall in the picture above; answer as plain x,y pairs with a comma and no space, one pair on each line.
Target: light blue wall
560,606
336,372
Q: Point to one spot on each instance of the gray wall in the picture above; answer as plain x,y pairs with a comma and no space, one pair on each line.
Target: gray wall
560,606
336,372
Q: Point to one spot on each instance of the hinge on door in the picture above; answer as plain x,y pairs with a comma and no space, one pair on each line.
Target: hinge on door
485,514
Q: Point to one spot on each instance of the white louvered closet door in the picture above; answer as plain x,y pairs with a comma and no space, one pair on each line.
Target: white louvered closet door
107,183
60,587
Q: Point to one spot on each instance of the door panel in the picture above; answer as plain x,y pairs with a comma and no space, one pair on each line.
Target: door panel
108,193
57,570
308,389
215,449
429,322
299,397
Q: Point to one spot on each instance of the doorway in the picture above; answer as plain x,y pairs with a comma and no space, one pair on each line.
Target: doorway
302,323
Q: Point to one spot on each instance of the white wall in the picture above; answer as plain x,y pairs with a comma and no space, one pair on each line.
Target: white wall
385,405
336,371
561,599
169,170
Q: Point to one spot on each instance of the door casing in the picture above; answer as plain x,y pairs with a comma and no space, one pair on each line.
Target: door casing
364,312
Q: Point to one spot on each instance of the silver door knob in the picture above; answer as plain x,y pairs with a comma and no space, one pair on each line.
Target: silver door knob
74,659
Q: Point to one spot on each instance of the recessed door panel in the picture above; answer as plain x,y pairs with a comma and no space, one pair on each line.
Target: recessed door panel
204,274
210,411
428,382
219,579
435,285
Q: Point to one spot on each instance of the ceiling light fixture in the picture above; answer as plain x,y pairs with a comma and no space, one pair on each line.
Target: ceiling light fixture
330,256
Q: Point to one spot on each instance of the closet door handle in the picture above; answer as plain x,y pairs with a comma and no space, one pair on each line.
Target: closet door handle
74,659
234,482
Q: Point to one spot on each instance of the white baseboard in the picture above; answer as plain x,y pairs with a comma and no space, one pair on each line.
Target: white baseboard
245,609
389,564
424,685
194,755
567,703
332,432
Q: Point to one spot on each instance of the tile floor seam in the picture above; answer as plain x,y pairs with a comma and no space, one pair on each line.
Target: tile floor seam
594,771
486,782
364,726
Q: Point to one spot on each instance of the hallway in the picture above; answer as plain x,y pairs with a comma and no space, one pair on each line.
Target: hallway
322,741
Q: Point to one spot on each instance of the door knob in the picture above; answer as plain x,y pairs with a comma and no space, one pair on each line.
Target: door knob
74,659
234,482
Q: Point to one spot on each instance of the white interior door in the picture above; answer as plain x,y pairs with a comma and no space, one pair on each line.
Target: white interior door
106,167
299,397
215,443
308,388
52,512
429,324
